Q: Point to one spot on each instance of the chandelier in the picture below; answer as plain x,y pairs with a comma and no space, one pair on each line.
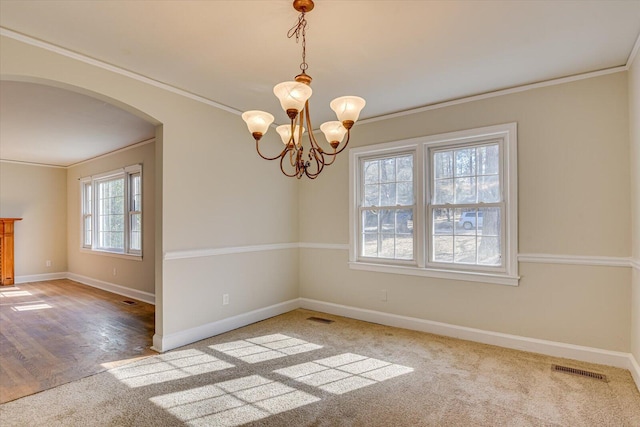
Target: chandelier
294,99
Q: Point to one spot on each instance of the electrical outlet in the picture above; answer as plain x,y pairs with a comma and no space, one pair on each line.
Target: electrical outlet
115,272
383,295
225,299
48,263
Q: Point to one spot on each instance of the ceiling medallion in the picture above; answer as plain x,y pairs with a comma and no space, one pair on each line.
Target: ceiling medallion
296,160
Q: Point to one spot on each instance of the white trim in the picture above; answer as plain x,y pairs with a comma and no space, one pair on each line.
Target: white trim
162,343
635,263
334,246
113,288
634,53
95,283
494,94
505,274
115,69
634,368
40,277
74,55
470,276
549,348
44,165
199,253
576,260
111,153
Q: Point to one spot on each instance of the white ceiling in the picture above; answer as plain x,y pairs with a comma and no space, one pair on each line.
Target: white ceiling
398,55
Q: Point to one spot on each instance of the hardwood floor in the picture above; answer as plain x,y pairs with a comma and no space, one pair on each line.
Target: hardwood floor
59,331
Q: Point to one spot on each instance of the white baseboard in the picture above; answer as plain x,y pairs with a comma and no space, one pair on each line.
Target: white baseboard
634,368
550,348
112,287
162,343
95,283
40,277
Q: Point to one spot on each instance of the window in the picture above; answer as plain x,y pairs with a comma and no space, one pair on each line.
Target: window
112,212
441,206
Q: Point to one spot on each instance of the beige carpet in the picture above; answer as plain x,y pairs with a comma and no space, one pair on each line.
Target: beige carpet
290,371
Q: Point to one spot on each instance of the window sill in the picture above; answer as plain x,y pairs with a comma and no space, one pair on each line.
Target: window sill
131,257
497,279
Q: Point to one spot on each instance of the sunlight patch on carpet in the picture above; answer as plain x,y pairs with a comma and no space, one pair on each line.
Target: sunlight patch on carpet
343,373
268,347
234,402
169,367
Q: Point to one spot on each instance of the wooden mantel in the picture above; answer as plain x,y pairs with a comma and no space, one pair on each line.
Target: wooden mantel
6,250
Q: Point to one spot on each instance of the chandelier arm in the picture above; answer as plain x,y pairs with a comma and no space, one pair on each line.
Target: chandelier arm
282,153
283,171
335,153
316,156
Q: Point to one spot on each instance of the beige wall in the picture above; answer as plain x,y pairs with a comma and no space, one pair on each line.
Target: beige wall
634,134
216,193
133,274
574,176
38,194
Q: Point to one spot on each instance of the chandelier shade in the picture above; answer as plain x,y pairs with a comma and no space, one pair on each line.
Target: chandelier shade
285,134
333,131
257,121
292,95
347,108
298,159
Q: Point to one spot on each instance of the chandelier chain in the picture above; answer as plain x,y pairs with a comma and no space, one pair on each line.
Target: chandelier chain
300,30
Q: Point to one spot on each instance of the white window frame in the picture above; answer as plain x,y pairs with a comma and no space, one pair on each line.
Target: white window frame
413,207
92,181
507,273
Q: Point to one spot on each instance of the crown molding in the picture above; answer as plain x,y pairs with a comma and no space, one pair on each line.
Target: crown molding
494,94
142,78
113,68
110,153
634,53
43,165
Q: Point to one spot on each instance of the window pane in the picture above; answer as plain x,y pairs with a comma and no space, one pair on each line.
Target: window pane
489,221
371,174
404,168
87,231
111,214
489,251
405,193
489,189
388,232
466,162
388,171
136,232
371,195
404,221
370,245
465,189
387,221
404,234
443,248
467,221
443,191
388,194
370,222
387,247
488,158
465,250
443,221
443,164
